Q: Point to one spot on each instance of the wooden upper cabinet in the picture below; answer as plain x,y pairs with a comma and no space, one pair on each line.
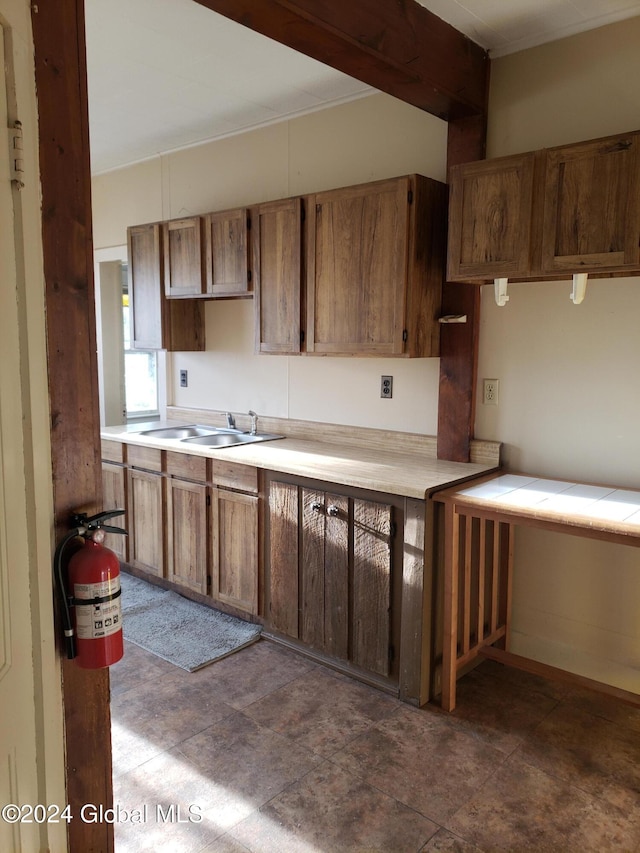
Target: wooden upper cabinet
592,206
375,268
184,273
490,218
156,322
227,259
277,272
548,213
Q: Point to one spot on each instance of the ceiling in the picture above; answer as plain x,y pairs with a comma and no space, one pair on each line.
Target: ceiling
166,74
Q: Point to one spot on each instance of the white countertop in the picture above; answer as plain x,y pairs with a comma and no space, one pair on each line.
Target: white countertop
406,474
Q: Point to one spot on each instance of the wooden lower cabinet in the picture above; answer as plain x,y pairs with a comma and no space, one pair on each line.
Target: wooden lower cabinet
234,549
146,513
114,496
186,533
330,573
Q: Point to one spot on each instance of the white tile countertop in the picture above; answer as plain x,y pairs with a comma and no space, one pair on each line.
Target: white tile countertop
406,468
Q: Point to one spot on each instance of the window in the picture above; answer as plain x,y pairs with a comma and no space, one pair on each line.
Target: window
140,368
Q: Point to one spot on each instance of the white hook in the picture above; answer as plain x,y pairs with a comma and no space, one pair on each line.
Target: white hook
500,288
579,287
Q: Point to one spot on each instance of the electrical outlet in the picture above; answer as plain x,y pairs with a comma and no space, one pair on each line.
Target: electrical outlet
490,390
183,379
386,387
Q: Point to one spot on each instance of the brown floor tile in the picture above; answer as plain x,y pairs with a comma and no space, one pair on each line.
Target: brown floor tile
330,810
423,759
520,808
248,763
322,710
501,712
156,715
137,665
591,753
166,780
626,716
445,842
263,668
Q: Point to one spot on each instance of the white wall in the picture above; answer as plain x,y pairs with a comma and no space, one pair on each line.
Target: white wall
364,140
569,395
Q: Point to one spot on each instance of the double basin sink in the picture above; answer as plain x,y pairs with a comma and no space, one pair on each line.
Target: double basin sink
209,436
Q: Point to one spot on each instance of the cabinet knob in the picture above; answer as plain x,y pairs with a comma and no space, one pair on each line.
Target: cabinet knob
333,510
316,506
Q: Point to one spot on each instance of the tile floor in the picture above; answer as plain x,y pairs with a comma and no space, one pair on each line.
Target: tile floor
278,754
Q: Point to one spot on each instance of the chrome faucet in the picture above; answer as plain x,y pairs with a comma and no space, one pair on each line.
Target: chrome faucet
231,421
254,422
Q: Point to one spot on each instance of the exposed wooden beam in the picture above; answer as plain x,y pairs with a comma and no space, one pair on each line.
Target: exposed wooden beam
59,41
396,46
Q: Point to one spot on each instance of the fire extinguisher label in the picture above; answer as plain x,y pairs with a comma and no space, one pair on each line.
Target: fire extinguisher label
102,613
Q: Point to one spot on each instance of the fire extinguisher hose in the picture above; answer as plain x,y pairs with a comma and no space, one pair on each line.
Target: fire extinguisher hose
67,622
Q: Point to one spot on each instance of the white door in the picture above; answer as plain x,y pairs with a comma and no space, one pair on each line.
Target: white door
31,758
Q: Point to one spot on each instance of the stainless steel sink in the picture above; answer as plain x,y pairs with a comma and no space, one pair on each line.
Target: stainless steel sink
181,431
229,439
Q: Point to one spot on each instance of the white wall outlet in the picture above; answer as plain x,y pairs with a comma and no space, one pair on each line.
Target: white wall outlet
490,391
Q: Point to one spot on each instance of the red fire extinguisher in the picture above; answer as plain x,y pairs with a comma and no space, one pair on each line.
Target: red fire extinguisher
90,598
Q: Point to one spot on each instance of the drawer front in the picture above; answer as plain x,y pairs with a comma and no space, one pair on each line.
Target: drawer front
234,476
144,457
113,451
187,467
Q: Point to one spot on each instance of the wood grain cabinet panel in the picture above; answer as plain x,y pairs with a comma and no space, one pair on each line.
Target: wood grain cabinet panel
157,322
187,534
548,213
282,612
227,253
277,270
592,206
491,219
329,576
184,271
114,496
146,514
234,558
375,268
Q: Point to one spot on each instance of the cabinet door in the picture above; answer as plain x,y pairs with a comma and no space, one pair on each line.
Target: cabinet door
490,219
227,261
183,257
148,323
324,572
187,534
277,264
235,549
592,206
156,322
357,269
146,521
282,606
371,585
114,496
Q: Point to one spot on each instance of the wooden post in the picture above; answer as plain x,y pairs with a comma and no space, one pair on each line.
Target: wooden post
73,384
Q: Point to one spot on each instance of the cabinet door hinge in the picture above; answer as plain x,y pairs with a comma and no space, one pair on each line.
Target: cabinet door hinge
405,335
16,155
410,196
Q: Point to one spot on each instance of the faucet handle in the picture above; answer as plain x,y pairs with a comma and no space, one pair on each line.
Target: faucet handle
231,421
254,422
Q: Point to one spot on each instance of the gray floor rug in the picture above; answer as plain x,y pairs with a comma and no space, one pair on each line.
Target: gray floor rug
180,631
